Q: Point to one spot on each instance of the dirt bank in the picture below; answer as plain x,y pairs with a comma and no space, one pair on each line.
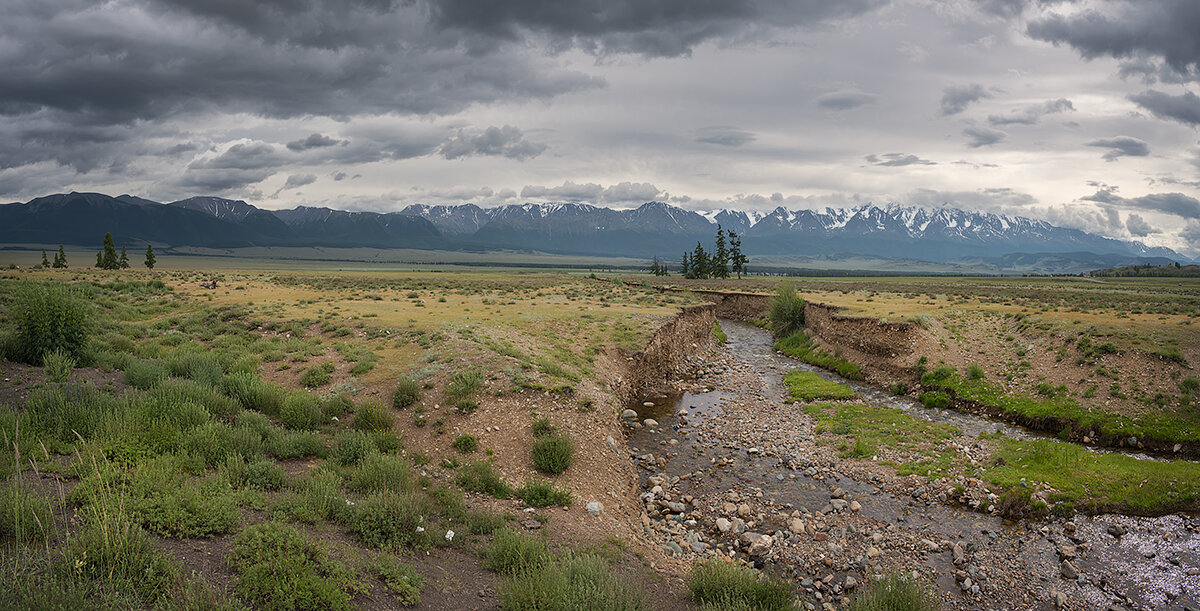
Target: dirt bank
688,333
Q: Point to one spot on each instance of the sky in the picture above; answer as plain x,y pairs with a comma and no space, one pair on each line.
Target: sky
1080,112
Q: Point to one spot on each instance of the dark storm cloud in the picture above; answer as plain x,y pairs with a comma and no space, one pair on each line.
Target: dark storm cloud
1170,203
1030,115
239,166
896,160
507,141
1138,227
956,98
1184,108
724,136
314,141
983,136
1164,29
1121,146
654,28
295,181
845,100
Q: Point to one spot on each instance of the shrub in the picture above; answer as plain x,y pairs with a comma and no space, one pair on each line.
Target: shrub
206,395
187,512
480,477
253,393
553,454
463,384
543,494
24,517
408,391
573,582
317,375
785,314
318,497
392,521
351,447
726,585
399,578
277,567
265,475
1190,386
936,398
112,550
301,411
336,406
58,365
371,416
894,592
213,441
513,552
975,372
386,442
145,374
467,406
48,318
296,444
542,427
380,473
466,443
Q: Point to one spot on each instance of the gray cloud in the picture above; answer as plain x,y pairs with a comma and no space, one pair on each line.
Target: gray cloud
956,98
295,181
314,141
1163,29
1177,204
983,136
1121,146
507,141
658,28
1184,108
620,193
1138,227
724,136
847,99
897,159
241,165
1030,115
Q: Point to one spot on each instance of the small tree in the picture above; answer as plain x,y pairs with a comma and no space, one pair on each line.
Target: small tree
99,260
60,259
123,262
685,265
700,263
719,265
45,261
109,260
150,259
737,260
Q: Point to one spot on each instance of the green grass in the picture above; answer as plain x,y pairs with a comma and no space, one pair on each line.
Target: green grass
407,392
808,386
513,552
874,427
719,334
372,417
466,443
24,516
801,346
381,473
393,521
543,494
553,454
399,578
570,582
895,593
464,384
480,477
277,567
718,585
317,375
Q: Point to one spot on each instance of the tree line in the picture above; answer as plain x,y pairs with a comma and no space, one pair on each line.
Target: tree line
106,258
725,260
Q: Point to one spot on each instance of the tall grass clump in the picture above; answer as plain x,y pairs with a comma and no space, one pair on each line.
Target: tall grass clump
277,567
408,391
352,447
208,396
553,454
373,417
253,393
380,473
718,585
58,365
513,552
571,582
48,318
301,412
24,517
894,593
145,374
785,313
480,477
463,385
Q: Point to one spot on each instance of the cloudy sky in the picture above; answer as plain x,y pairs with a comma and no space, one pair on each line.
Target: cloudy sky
1084,112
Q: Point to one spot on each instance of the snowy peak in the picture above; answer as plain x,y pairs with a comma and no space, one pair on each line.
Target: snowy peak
225,209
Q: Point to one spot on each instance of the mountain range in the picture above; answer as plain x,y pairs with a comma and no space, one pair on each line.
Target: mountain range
653,229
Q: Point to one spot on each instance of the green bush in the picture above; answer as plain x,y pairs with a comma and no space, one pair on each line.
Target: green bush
202,367
205,395
265,475
253,393
572,582
213,441
935,398
317,497
276,567
513,552
466,443
543,494
296,444
145,374
317,375
48,318
371,416
895,592
542,427
336,406
392,521
380,473
58,365
399,578
351,447
301,411
553,454
464,384
726,585
24,517
975,372
187,512
110,549
408,391
480,477
785,313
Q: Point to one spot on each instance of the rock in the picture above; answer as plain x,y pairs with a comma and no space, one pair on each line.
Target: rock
1177,447
673,548
1132,441
960,556
1059,599
796,526
743,510
838,504
648,404
629,414
837,493
855,506
930,545
595,507
851,583
650,423
1066,551
676,507
699,547
612,444
531,524
729,508
1116,530
724,525
1068,570
873,552
1069,528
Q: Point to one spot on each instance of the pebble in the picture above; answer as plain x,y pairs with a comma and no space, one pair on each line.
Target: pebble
1068,570
595,507
628,414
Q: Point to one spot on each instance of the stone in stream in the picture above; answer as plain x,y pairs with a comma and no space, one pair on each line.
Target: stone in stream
959,555
650,422
629,414
855,506
837,493
1116,530
648,404
1068,570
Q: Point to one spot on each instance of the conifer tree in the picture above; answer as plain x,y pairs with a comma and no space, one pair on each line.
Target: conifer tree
685,265
737,260
99,260
45,261
701,266
123,262
109,261
150,258
60,259
719,264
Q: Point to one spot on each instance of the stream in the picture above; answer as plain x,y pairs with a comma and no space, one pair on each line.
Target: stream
976,560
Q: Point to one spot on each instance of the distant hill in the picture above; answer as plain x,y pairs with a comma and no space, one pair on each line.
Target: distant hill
1161,270
947,238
